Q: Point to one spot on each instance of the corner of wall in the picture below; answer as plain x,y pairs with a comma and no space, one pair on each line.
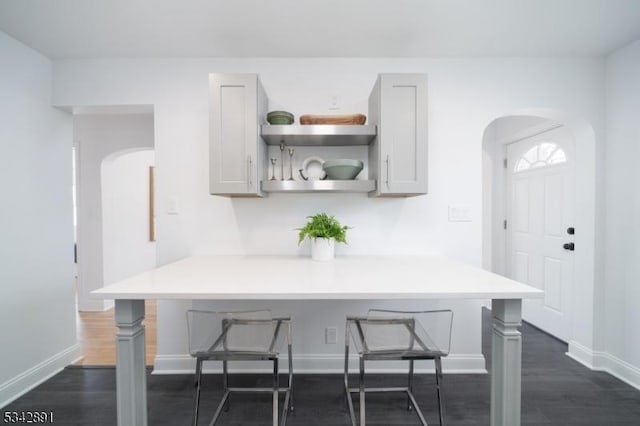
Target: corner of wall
604,361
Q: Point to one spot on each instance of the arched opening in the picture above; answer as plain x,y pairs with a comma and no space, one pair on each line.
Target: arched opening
100,135
517,126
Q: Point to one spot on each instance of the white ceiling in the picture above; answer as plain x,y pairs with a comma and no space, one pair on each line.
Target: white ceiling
321,28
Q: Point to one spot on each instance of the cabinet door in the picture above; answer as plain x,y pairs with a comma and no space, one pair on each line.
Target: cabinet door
402,134
236,147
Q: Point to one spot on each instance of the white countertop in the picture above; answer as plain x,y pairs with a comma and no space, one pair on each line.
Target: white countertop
300,278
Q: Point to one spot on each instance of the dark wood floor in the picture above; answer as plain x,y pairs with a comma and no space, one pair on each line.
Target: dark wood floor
555,391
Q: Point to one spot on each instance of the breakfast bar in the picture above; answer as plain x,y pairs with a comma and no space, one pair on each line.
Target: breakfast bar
216,277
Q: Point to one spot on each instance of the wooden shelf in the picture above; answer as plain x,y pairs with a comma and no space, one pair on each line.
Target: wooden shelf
318,185
318,134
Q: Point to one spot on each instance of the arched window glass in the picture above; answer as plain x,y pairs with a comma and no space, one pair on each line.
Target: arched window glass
541,155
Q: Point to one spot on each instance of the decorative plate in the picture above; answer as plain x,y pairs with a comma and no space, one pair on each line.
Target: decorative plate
312,169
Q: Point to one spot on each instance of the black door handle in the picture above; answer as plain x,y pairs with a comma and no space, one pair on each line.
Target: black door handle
569,246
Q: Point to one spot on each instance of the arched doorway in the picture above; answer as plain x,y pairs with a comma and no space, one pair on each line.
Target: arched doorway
100,135
520,125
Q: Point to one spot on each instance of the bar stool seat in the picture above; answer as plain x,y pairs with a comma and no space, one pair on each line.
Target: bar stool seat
240,336
385,335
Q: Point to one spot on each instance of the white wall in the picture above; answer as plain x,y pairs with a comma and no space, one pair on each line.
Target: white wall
621,354
465,96
511,128
37,323
97,137
127,250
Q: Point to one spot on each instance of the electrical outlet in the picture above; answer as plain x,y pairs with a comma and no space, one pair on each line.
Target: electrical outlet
330,335
334,106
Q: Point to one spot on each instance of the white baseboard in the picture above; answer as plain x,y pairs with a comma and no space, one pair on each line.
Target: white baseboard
321,364
582,354
604,361
24,382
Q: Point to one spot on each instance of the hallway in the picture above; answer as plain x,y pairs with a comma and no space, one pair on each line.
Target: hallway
96,335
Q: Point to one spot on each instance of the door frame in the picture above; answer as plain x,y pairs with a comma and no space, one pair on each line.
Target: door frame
582,338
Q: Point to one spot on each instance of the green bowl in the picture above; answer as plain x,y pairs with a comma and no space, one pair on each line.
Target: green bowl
280,117
342,169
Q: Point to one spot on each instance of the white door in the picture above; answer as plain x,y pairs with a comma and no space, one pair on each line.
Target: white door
540,212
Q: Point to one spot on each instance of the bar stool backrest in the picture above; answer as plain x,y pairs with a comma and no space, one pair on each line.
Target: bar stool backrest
424,331
240,331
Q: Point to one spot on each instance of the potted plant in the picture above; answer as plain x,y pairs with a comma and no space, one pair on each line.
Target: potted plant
323,231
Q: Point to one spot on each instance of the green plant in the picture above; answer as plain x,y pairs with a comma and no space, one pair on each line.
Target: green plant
322,225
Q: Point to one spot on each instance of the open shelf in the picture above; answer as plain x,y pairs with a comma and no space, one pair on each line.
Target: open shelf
318,134
318,185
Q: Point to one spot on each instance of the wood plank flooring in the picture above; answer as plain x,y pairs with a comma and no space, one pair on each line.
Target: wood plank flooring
556,391
96,335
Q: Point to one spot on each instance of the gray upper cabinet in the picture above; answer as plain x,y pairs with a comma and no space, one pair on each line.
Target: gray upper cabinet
237,153
398,154
395,136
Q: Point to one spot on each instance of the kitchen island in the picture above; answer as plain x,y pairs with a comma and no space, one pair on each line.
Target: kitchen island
215,277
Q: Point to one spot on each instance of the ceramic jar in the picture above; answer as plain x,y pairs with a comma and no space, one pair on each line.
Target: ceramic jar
323,249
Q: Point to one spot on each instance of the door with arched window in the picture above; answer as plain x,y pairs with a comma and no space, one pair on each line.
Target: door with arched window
540,220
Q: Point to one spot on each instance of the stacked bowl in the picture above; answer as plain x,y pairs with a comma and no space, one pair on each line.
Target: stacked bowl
280,117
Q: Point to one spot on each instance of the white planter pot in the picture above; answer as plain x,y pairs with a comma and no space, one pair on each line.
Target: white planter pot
323,249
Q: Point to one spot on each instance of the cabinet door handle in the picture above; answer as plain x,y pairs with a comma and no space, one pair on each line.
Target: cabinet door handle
249,170
388,161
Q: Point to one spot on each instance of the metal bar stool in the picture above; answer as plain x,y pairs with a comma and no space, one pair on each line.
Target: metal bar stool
240,336
385,335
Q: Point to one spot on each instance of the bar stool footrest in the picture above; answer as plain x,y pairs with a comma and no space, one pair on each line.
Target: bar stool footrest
257,390
406,390
390,389
229,391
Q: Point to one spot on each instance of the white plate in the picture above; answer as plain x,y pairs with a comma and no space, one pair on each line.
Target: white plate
312,168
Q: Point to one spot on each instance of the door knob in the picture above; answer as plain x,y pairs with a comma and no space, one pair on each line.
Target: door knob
569,246
571,230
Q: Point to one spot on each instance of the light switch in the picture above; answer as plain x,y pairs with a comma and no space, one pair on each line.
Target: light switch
172,205
459,214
